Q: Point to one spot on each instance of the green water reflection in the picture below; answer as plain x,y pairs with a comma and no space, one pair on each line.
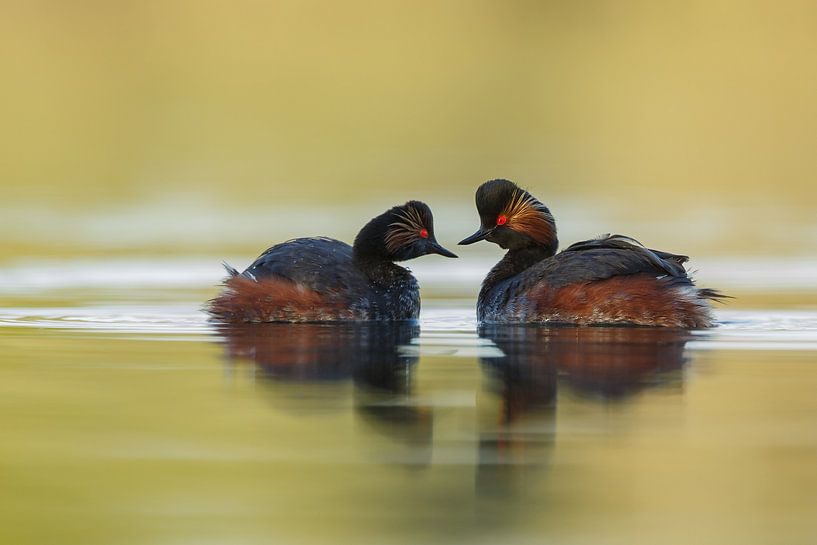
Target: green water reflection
282,434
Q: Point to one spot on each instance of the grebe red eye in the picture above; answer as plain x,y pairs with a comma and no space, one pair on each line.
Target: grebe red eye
424,232
502,219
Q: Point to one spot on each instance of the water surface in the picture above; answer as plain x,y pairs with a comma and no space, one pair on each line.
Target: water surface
125,417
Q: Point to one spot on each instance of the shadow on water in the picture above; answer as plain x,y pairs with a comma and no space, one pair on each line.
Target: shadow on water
540,365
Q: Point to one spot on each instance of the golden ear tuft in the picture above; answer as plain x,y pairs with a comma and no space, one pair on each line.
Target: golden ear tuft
525,215
406,230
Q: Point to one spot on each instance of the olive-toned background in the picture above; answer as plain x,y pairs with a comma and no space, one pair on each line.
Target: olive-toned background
216,127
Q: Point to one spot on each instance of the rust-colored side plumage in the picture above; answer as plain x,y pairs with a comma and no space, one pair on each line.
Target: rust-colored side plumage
525,217
276,300
633,299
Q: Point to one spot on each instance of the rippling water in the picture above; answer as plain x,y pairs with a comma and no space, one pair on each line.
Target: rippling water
125,417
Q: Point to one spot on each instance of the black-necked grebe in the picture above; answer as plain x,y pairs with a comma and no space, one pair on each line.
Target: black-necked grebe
609,280
325,280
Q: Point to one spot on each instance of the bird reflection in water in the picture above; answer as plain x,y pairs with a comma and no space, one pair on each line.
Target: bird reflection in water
538,368
540,364
608,363
372,355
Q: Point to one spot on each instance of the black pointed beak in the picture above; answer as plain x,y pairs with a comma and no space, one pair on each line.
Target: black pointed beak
435,248
476,237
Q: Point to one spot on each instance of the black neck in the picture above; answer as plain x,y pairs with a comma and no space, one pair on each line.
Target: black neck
379,270
370,245
514,262
370,254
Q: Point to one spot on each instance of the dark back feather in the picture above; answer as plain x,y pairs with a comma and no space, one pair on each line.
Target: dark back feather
634,253
317,263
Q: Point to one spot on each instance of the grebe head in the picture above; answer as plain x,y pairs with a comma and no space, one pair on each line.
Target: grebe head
513,218
401,233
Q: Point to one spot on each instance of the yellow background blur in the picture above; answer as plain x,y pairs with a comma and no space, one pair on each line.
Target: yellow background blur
187,117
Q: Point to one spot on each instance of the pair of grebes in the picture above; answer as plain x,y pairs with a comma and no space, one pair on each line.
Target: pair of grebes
611,280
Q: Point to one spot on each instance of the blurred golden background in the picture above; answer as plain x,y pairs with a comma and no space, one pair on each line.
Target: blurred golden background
223,126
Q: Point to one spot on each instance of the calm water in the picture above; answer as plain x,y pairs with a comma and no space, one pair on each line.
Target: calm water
126,418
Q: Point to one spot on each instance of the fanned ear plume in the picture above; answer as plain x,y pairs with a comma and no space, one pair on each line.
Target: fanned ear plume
406,230
528,216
